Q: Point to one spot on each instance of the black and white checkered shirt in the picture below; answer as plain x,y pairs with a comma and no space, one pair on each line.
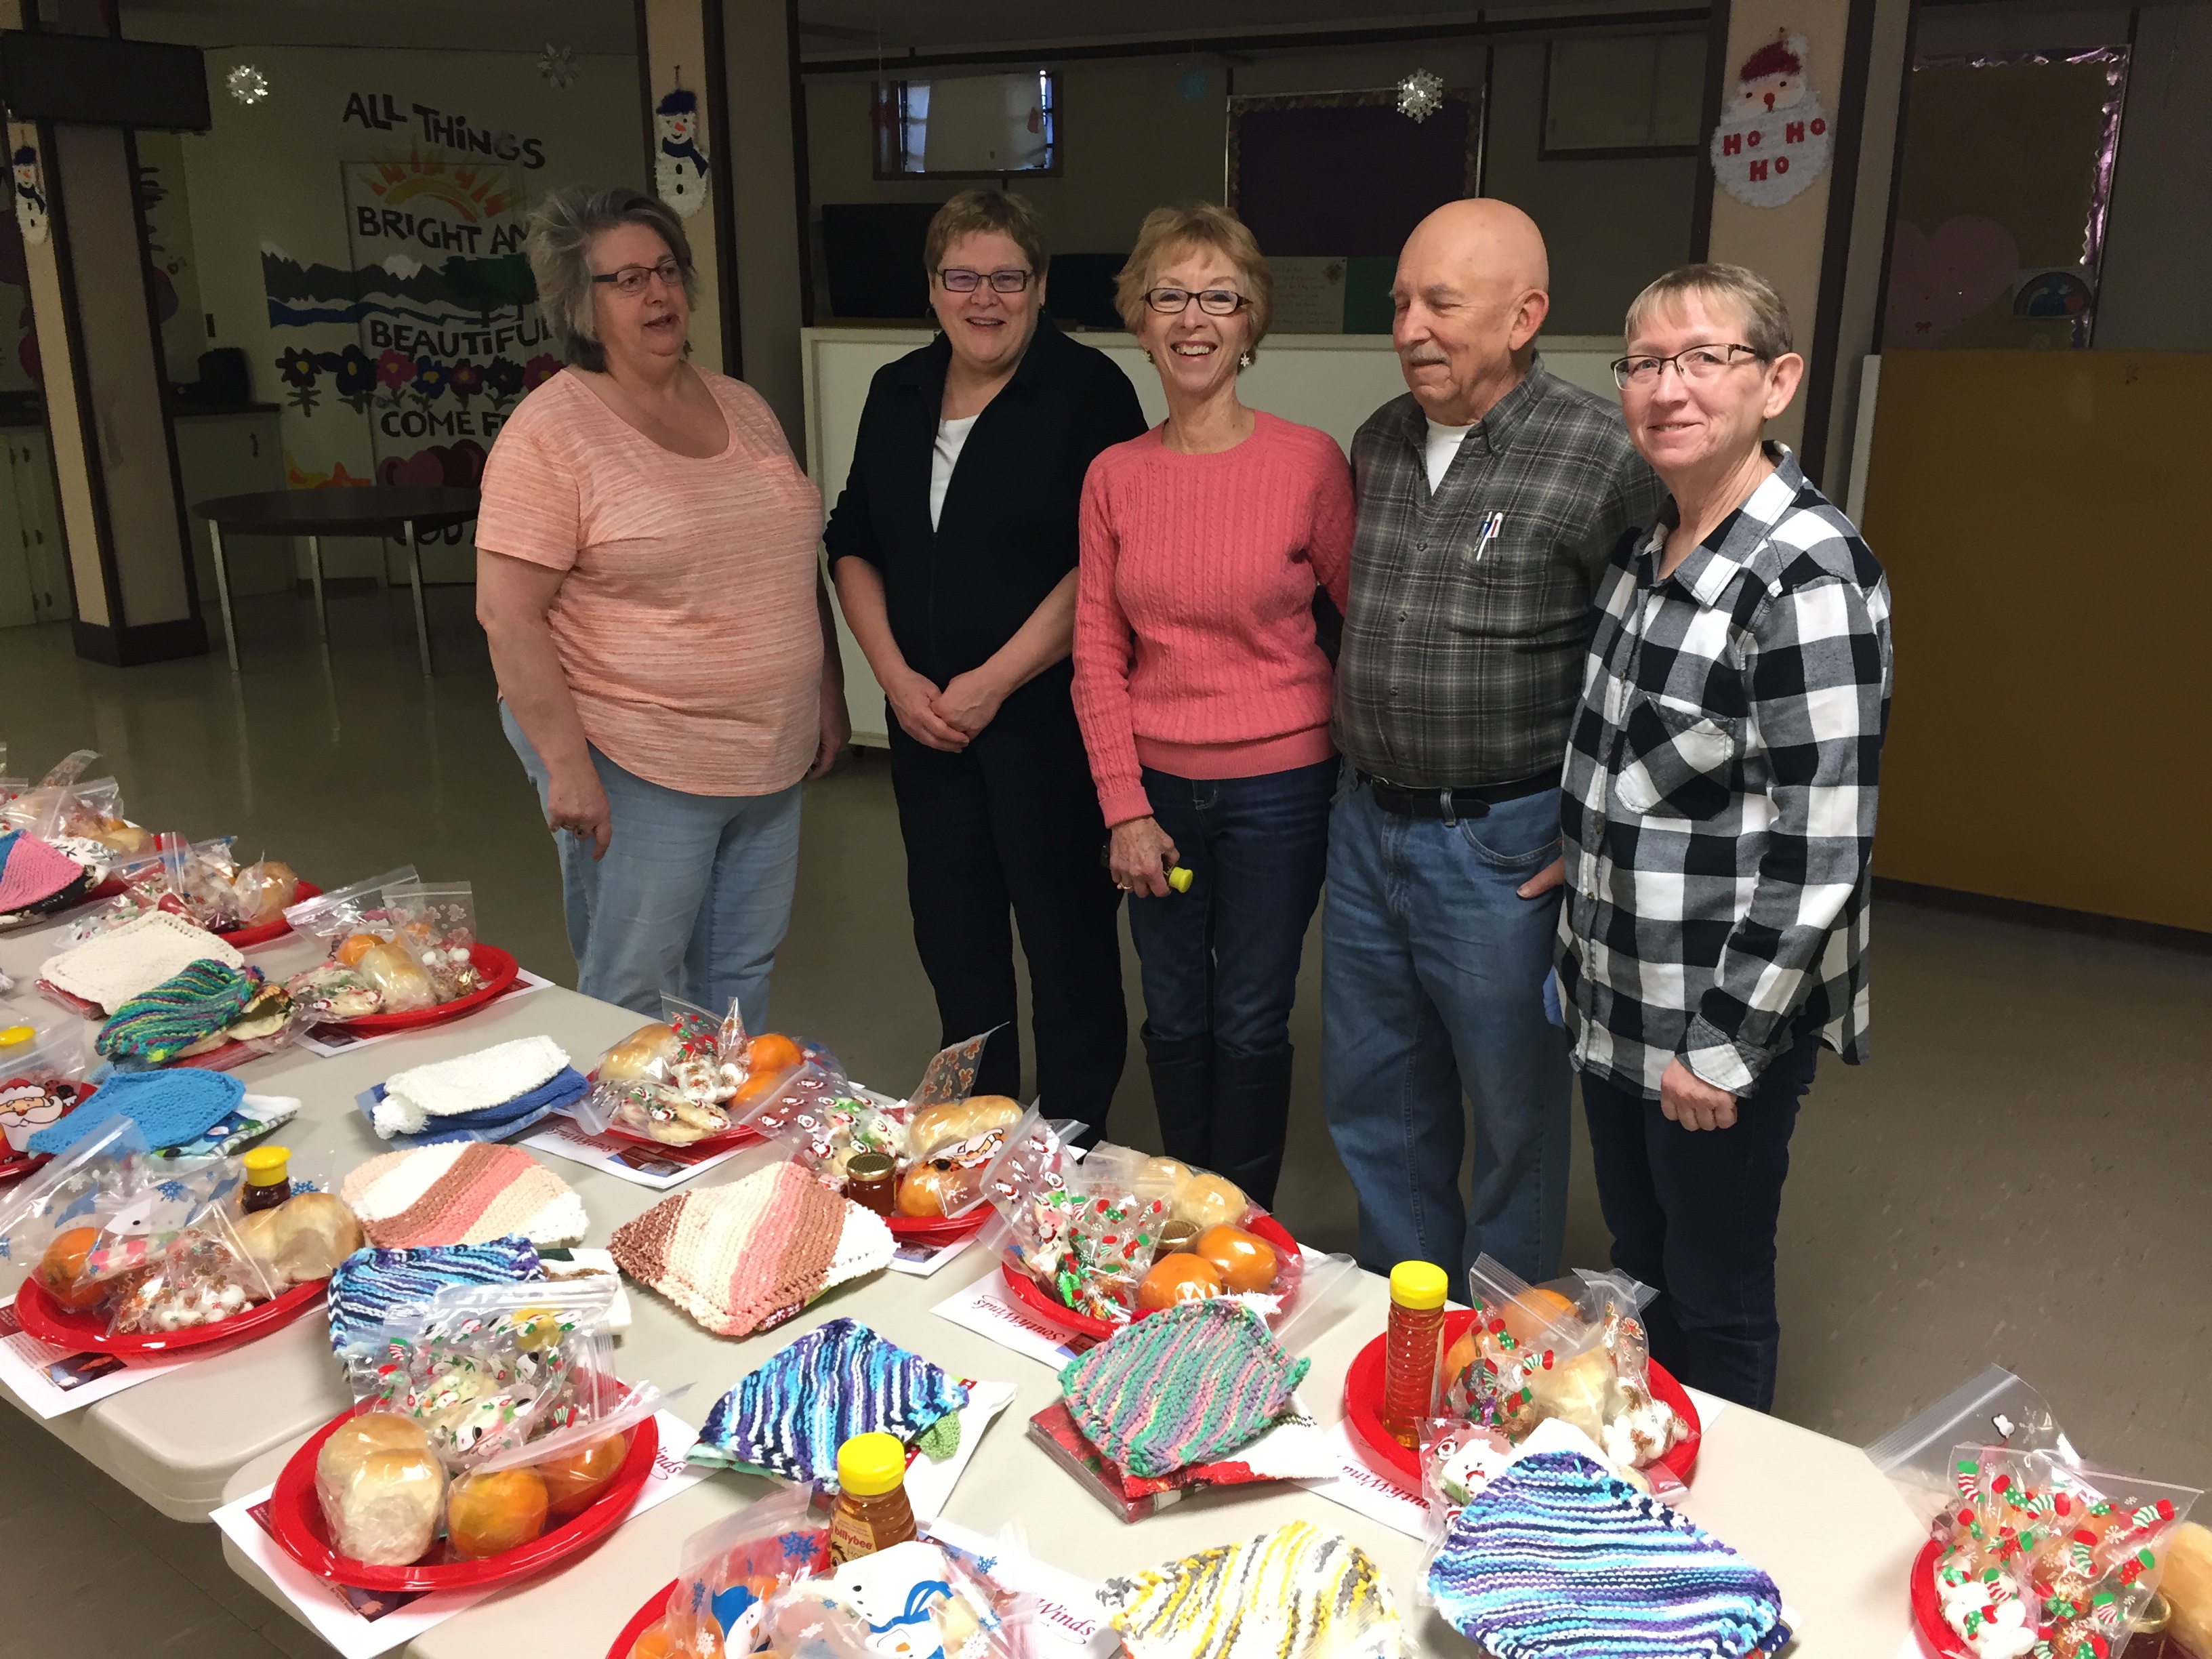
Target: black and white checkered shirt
1460,659
1719,804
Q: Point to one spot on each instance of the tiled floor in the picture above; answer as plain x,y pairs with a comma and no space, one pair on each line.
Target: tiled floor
2023,1174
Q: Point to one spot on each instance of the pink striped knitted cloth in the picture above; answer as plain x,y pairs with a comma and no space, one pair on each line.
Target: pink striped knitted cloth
31,871
741,1258
1185,1385
462,1195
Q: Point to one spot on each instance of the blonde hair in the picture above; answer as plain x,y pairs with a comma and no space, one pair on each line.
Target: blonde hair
1765,319
1201,225
984,213
563,228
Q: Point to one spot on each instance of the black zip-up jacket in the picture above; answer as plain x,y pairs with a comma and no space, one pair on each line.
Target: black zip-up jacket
1007,533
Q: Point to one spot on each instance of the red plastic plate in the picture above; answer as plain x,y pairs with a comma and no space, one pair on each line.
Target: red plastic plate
640,1621
940,1230
742,1135
245,938
78,1333
499,969
295,1520
1937,1638
1032,1297
1362,1412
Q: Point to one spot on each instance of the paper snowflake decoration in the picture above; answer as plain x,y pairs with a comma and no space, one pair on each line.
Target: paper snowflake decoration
558,65
1420,95
247,84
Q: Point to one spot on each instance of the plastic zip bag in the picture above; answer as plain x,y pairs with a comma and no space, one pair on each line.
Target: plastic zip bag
202,1276
343,910
41,1081
729,1570
436,925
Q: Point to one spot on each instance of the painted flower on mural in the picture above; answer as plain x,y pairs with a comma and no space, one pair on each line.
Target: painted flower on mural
356,373
298,368
431,379
395,369
466,378
503,376
538,370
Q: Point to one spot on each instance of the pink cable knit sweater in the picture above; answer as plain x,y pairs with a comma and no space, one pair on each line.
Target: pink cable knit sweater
1195,649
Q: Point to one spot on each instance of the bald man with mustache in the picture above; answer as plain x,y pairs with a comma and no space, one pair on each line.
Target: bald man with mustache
1490,498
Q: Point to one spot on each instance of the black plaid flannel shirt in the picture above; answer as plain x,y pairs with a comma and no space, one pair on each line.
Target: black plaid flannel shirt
1456,671
1719,806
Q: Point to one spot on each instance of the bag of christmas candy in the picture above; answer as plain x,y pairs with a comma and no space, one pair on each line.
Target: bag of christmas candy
729,1570
672,1080
436,925
364,970
202,1276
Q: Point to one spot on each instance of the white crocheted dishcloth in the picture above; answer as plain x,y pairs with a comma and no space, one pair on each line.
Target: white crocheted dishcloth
447,1088
111,968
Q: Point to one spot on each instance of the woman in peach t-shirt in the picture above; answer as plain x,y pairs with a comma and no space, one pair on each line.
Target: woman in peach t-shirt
647,575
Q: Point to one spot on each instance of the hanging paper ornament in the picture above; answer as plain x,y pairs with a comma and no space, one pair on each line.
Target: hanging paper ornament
679,168
558,65
1420,95
1773,138
30,194
247,84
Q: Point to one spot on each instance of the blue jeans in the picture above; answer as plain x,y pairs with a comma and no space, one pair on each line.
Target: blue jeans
1432,984
1221,960
1693,1214
693,896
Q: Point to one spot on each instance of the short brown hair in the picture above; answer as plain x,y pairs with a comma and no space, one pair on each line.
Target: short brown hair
1765,319
1202,225
563,228
984,213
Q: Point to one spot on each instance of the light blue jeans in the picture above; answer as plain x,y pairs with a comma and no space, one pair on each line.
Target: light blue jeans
693,896
1432,984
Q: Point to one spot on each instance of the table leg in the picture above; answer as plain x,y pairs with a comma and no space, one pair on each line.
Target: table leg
414,580
315,570
223,594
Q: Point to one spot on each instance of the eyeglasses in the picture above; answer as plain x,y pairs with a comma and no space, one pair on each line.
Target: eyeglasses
1213,302
1703,362
630,282
957,281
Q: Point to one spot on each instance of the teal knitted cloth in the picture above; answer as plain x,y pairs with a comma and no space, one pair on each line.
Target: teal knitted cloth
178,1011
170,1108
1185,1385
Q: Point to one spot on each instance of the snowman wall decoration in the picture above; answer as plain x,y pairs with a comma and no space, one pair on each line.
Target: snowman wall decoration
679,166
30,194
1773,138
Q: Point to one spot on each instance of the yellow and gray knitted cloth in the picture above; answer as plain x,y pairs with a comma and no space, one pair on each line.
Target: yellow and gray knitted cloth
1295,1593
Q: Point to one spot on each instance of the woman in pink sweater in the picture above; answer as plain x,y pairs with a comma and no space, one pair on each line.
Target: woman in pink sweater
1203,696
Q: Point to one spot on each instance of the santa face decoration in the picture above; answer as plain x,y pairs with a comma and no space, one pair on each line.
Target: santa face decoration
1773,138
679,160
27,1108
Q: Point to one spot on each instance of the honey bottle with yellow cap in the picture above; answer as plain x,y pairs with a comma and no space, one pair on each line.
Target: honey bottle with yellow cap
1413,1348
872,1512
268,1178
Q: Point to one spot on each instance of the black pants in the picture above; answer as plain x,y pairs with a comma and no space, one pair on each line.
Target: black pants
1013,825
1693,1213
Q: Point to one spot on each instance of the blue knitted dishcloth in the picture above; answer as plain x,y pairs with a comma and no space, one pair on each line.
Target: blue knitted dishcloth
170,1108
369,1283
1558,1558
563,1088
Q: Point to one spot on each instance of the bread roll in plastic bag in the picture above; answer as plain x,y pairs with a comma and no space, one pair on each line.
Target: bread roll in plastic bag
401,985
382,1489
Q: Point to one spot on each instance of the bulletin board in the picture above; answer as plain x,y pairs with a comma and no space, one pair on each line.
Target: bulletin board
1343,174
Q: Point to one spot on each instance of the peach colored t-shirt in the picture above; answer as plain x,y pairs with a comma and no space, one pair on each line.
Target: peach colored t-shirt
687,626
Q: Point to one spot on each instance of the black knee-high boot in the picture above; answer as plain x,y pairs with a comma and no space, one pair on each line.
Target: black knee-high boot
1182,1094
1251,1117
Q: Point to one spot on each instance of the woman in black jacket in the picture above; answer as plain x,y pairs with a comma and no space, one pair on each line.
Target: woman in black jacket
954,550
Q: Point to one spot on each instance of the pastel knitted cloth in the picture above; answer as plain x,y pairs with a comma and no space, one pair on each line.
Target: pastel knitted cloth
60,900
178,1011
462,1195
1181,1386
170,1108
743,1257
369,1283
31,871
1556,1559
471,1082
1295,1593
110,969
840,1379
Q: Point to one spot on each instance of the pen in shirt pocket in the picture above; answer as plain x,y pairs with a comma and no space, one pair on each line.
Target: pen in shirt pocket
1492,522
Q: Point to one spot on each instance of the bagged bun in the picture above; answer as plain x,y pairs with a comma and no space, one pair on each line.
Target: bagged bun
649,1052
302,1239
934,1127
1210,1201
263,889
397,977
381,1488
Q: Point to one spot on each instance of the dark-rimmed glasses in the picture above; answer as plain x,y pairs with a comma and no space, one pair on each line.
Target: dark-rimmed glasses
957,280
630,282
1213,302
1699,362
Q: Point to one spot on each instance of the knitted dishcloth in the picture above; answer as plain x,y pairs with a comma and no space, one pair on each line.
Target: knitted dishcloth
178,1011
31,871
1184,1385
1557,1559
840,1379
369,1283
449,1087
462,1195
170,1108
74,893
253,1117
110,969
1295,1593
743,1257
493,1123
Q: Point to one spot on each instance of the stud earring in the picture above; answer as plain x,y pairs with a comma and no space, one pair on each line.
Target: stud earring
1148,356
1244,361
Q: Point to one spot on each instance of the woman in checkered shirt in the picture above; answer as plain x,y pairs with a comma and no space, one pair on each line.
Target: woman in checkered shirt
1719,813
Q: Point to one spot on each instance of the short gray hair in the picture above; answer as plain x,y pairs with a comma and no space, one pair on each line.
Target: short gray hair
1765,319
563,228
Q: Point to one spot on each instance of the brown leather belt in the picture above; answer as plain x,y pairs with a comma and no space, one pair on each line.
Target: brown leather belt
1472,800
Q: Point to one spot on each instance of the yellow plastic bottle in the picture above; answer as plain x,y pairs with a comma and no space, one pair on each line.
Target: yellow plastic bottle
872,1512
1415,1348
